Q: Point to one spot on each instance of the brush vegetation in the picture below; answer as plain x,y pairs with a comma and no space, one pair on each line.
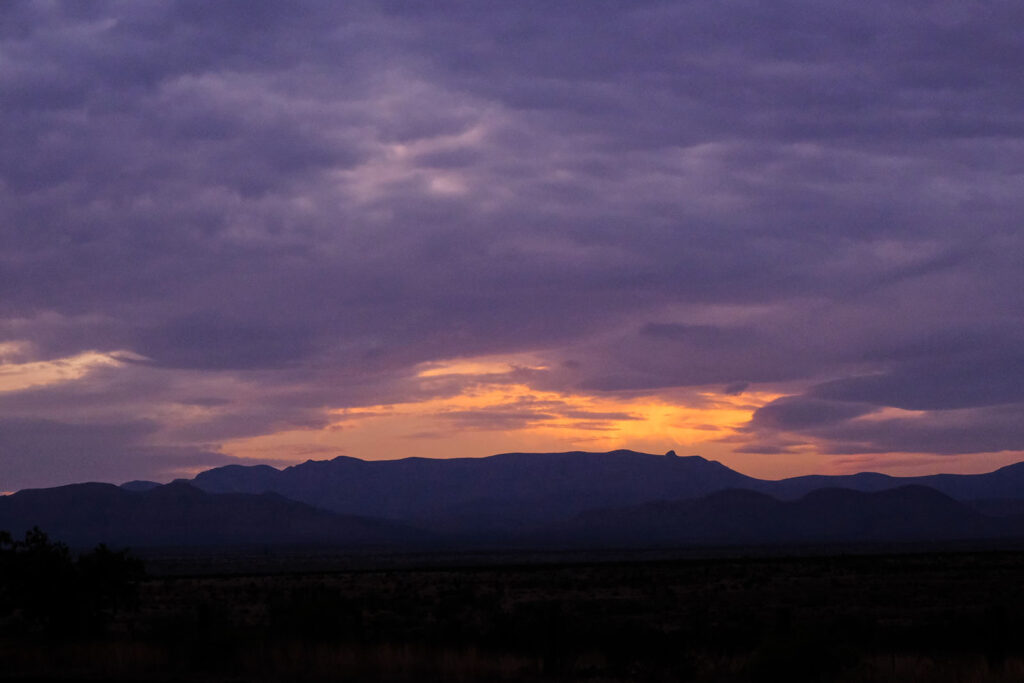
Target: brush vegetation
925,617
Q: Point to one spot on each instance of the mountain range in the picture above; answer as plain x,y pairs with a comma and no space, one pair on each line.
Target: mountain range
620,498
179,514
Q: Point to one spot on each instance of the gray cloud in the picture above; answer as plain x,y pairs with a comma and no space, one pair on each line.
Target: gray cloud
943,433
37,452
302,205
952,381
793,413
960,405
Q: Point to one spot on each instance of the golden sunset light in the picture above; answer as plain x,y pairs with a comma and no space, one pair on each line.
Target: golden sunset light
20,376
489,410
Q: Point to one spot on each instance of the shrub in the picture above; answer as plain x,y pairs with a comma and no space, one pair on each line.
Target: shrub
44,589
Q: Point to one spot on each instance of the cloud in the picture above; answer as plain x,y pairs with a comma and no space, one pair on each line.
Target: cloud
217,343
793,413
841,428
942,433
951,382
736,388
39,453
494,419
956,391
292,212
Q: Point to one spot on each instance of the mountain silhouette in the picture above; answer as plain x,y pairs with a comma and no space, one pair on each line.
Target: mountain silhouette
179,514
616,498
140,485
1005,483
511,492
908,513
478,494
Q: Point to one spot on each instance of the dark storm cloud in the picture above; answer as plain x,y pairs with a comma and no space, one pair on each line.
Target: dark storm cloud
964,385
308,202
736,388
944,433
800,413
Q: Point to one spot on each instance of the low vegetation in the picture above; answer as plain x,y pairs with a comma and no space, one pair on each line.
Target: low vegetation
46,590
922,617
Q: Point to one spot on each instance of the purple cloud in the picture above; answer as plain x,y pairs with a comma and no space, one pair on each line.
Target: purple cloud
39,453
286,212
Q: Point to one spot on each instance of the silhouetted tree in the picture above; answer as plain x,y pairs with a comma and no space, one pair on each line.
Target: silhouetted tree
44,589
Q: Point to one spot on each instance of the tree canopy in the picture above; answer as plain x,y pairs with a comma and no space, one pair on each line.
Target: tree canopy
45,588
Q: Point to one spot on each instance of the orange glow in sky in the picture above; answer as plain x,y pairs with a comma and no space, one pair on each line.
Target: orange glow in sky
475,407
15,376
494,413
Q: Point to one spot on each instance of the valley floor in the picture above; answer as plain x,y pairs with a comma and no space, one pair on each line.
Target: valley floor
953,616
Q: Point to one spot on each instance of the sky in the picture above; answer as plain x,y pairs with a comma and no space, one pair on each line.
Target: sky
783,235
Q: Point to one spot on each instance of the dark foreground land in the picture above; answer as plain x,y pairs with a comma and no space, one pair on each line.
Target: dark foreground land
954,616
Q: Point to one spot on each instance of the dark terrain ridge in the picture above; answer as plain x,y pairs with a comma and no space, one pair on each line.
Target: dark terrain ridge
178,514
549,500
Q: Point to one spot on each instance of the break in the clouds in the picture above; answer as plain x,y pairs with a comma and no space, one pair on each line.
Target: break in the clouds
245,223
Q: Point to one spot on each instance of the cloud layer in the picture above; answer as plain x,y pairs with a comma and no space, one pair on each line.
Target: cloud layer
267,214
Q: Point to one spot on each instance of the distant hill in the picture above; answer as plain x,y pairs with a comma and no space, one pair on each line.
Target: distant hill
908,513
515,491
1006,483
616,498
498,492
140,485
179,514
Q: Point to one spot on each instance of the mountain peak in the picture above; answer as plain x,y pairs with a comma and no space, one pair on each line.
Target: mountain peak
505,486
